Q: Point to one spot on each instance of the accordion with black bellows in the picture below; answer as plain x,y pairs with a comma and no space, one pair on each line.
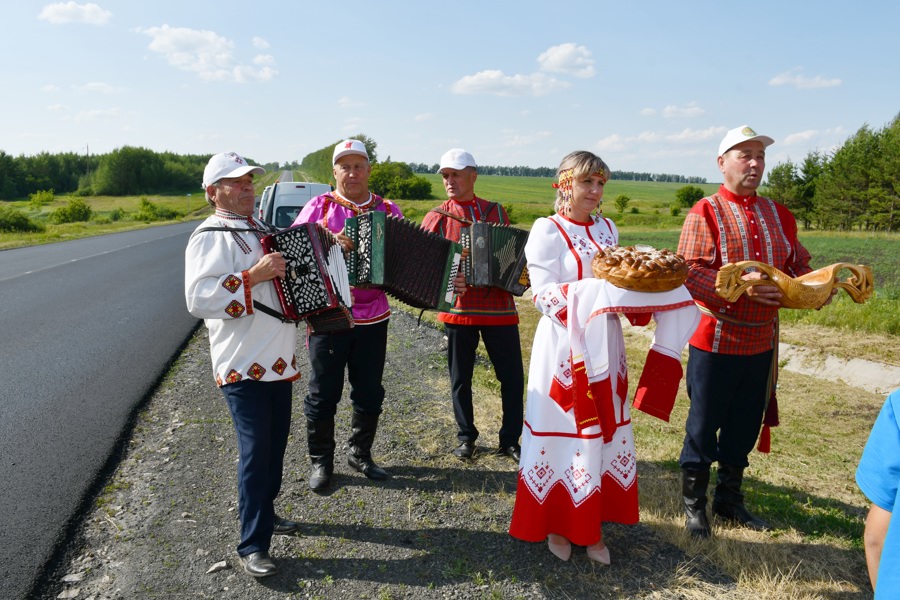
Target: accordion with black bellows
496,257
394,254
315,287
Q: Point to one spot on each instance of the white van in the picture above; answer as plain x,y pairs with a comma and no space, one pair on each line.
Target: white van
281,204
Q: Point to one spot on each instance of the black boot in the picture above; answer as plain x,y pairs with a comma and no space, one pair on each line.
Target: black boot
320,441
693,491
728,501
363,428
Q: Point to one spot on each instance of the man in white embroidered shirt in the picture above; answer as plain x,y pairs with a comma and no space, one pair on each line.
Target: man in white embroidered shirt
252,352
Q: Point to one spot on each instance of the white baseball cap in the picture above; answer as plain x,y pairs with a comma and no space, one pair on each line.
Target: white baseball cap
456,158
227,164
742,134
349,147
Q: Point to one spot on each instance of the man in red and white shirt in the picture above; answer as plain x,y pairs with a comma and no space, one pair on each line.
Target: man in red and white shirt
731,366
488,312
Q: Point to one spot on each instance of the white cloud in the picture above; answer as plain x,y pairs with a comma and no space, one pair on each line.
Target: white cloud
96,87
264,59
691,110
72,12
424,117
495,82
801,137
50,88
697,135
348,102
514,139
802,82
98,114
58,107
259,42
569,59
205,53
611,142
647,112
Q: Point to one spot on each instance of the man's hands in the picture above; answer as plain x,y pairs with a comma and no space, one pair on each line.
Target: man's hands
269,267
459,284
769,294
345,242
762,294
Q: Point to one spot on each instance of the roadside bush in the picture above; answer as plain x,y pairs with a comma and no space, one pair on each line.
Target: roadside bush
38,200
76,211
153,212
13,221
674,211
117,214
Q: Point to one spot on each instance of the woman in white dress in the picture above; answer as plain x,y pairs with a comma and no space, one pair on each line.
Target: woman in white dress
578,465
570,479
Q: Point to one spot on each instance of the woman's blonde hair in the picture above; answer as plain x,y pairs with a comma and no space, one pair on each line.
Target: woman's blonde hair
574,166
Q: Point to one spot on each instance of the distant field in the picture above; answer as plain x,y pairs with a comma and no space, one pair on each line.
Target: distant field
644,194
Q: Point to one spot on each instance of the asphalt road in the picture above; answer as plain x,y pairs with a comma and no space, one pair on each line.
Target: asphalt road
88,327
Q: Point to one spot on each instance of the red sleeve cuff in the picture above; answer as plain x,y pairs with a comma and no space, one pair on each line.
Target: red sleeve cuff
658,387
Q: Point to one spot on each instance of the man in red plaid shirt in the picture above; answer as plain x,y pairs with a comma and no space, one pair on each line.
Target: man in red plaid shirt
488,312
733,360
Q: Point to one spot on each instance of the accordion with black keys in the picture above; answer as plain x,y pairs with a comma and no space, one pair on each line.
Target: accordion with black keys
394,254
315,287
496,257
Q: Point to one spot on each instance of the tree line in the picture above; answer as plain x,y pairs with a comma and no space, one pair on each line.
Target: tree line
857,187
522,171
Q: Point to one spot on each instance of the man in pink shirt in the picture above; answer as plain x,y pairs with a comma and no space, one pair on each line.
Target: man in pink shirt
361,350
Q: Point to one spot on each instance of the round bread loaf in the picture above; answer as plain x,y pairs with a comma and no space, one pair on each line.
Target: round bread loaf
640,268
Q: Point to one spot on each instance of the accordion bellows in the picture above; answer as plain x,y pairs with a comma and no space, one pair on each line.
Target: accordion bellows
413,265
315,287
496,257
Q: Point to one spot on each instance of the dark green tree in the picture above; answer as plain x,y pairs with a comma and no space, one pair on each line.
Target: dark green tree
687,196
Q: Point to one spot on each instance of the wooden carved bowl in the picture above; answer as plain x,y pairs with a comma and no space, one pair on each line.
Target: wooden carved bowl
807,291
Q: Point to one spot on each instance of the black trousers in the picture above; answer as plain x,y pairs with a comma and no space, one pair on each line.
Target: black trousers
505,352
360,351
728,400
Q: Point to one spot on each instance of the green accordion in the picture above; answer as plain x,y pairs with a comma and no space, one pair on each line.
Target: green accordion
496,257
394,254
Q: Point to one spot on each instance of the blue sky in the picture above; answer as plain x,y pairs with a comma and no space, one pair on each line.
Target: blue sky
650,86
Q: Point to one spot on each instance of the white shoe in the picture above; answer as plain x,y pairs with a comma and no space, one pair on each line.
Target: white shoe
599,553
559,546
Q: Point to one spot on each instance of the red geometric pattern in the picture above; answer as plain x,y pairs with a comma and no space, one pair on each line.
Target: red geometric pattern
232,283
235,309
279,366
233,377
256,371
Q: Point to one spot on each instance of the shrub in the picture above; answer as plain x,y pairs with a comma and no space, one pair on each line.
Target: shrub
688,196
674,211
41,198
621,202
152,212
117,214
12,221
635,210
76,211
